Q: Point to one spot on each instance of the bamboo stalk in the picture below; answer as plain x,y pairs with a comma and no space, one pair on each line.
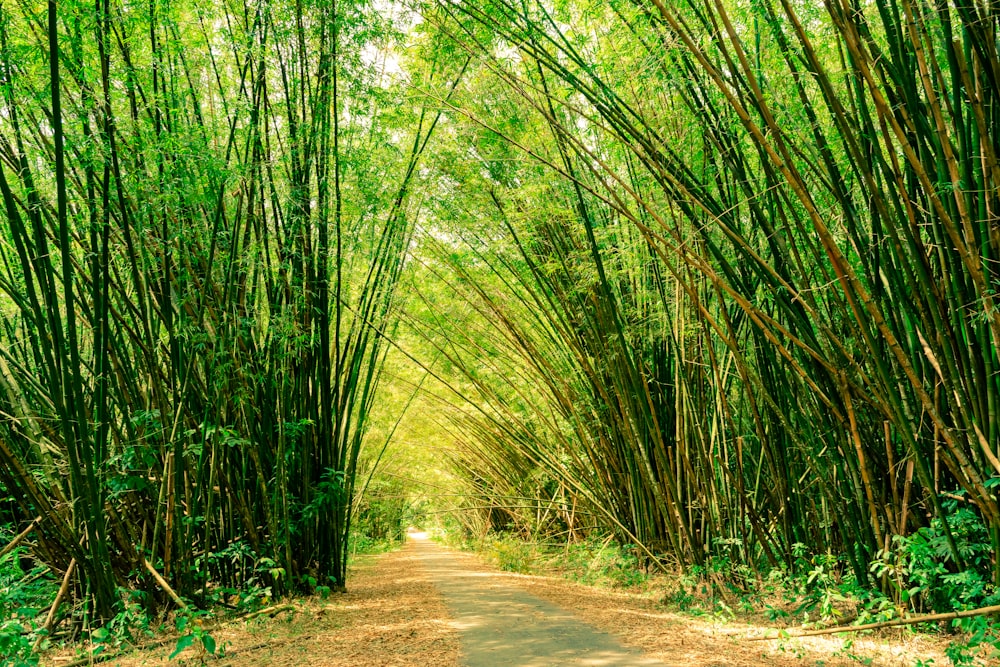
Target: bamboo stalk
923,618
20,537
162,583
50,618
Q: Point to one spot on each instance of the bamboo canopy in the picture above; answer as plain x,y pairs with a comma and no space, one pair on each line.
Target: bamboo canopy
716,279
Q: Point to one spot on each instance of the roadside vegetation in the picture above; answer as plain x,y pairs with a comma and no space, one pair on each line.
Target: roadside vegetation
816,594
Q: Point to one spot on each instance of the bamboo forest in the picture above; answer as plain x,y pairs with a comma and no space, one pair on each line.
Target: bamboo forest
701,291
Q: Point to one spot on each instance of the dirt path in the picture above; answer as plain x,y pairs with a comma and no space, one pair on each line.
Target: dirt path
501,624
391,616
426,606
527,615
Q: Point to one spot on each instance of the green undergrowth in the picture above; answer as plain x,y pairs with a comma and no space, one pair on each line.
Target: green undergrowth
593,561
27,591
364,544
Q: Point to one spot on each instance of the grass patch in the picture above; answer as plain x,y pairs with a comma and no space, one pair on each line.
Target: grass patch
594,561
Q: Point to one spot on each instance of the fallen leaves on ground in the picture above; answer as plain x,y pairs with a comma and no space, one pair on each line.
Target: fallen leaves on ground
675,639
391,616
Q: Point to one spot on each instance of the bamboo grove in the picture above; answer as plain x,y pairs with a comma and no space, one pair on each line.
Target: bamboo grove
716,277
730,273
206,211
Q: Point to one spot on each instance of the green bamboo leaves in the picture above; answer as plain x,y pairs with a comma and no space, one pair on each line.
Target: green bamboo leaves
728,273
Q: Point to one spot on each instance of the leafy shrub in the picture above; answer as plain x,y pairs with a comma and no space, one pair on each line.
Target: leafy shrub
381,517
923,569
15,644
193,633
23,595
600,561
510,554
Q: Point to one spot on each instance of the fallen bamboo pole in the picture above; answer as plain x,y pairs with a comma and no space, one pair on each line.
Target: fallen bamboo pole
51,618
924,618
270,611
20,538
165,586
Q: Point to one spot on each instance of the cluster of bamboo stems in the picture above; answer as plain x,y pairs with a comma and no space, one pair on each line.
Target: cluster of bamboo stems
759,307
196,271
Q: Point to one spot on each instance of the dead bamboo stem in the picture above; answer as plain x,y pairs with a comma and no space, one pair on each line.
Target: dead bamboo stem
270,611
924,618
20,538
51,618
165,586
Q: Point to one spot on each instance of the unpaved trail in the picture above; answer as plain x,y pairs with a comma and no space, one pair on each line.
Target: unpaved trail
501,624
426,606
534,621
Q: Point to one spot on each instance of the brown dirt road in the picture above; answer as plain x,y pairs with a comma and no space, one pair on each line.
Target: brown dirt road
427,606
502,624
650,635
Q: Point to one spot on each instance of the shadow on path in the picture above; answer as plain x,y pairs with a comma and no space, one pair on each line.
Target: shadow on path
500,625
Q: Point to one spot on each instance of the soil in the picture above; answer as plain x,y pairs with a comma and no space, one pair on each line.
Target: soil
391,616
639,623
502,624
429,606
